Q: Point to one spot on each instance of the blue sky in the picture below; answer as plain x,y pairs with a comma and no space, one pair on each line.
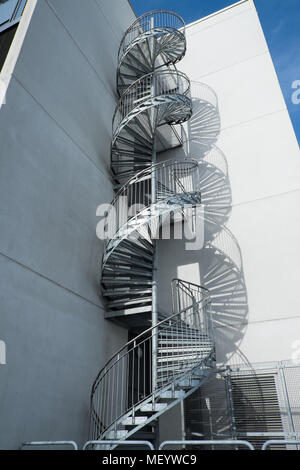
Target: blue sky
280,20
7,9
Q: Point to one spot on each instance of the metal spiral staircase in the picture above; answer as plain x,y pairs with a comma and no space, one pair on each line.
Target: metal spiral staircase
175,353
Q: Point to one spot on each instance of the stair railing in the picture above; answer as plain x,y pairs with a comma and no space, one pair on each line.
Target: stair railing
184,293
134,197
125,381
156,19
143,92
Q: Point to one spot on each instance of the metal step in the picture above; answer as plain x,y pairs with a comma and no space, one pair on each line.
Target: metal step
153,408
134,421
132,293
126,270
189,383
129,303
126,282
129,311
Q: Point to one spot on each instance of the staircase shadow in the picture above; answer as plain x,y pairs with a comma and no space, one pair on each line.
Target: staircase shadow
221,271
218,267
203,128
219,260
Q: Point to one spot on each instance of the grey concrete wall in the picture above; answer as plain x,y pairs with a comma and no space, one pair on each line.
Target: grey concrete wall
55,133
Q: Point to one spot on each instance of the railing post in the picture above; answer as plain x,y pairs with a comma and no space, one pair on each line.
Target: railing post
286,398
155,263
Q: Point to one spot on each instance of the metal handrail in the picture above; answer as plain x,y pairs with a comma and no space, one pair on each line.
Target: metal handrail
49,443
278,441
176,353
184,291
135,195
144,333
152,85
148,21
225,442
148,171
116,390
190,285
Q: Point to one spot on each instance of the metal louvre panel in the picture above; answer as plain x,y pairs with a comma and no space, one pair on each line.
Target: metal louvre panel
207,414
256,406
252,402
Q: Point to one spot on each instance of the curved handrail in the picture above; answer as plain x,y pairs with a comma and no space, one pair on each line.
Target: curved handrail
126,383
173,179
150,20
148,171
146,332
231,442
119,391
184,291
150,86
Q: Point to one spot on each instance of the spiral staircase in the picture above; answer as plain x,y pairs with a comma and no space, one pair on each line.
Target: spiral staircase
175,353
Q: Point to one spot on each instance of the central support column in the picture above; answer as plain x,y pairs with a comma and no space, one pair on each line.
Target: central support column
153,200
154,280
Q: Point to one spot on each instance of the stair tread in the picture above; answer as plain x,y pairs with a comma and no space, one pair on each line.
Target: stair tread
134,421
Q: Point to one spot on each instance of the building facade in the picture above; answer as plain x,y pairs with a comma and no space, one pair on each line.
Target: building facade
55,153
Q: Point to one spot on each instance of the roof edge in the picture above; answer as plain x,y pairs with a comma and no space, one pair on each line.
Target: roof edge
240,2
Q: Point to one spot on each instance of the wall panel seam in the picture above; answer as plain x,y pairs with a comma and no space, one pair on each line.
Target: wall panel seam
70,291
191,25
62,129
80,50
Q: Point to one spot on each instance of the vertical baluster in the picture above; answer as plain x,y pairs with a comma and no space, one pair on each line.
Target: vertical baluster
118,397
122,385
111,394
106,409
150,365
98,409
133,377
144,368
138,373
174,331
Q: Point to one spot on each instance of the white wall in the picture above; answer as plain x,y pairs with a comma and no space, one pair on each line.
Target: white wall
228,52
55,134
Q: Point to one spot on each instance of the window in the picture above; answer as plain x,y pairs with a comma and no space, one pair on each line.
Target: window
10,15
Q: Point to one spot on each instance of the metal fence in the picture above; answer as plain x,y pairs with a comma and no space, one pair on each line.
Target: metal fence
15,17
253,402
